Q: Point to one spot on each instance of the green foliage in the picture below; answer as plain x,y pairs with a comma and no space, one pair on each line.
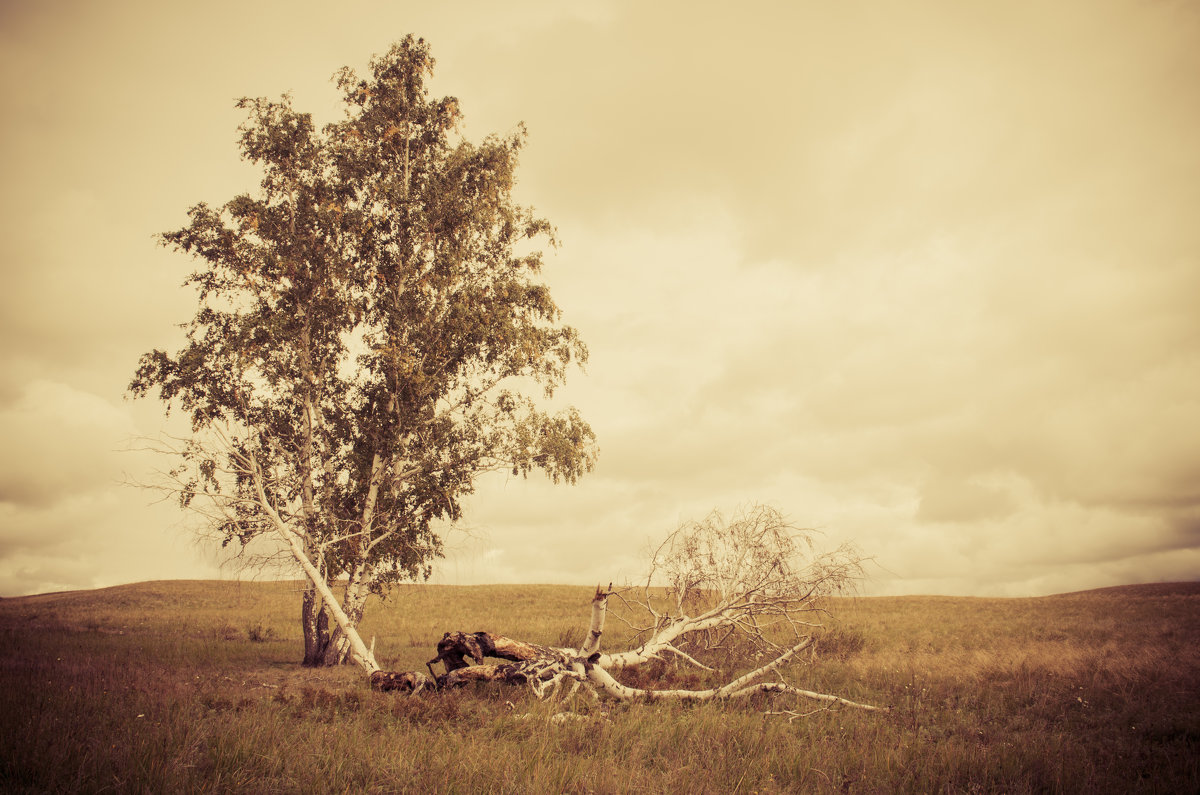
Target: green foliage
366,322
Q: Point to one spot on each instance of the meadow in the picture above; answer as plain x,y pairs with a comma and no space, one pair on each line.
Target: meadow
195,686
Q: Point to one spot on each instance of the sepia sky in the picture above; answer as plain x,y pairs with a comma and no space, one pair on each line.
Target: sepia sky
922,275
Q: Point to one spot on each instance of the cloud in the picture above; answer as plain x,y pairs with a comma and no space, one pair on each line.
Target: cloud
922,278
824,130
107,537
68,519
60,443
950,499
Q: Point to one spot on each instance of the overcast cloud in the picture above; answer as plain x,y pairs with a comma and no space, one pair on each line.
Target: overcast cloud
921,275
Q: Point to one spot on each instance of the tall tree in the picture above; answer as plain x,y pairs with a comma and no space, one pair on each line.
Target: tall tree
370,326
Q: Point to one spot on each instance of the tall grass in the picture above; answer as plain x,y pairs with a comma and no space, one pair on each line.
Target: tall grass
194,686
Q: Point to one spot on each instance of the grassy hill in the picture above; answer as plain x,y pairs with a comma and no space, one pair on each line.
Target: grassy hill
187,685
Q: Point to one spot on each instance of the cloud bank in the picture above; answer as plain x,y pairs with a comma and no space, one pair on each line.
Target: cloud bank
922,277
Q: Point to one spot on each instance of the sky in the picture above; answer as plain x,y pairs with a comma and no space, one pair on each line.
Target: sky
924,276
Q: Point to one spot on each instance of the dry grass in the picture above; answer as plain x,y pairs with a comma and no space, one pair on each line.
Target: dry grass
186,686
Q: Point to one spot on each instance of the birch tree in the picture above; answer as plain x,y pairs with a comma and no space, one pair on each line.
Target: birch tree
371,336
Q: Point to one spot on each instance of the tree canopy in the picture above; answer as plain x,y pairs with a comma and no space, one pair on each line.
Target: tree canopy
371,335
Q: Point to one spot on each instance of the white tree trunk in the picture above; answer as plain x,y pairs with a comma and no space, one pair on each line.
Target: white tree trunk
358,650
663,641
591,643
352,605
295,540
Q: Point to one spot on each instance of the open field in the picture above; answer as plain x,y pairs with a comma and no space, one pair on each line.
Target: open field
194,686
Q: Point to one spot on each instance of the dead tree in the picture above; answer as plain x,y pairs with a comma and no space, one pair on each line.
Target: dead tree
750,582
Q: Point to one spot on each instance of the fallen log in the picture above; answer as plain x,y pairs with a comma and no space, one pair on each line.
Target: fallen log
544,668
455,647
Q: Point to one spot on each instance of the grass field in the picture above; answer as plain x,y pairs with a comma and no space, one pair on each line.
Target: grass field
194,686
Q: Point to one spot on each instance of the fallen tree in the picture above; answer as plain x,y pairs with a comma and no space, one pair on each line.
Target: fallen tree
545,669
740,586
